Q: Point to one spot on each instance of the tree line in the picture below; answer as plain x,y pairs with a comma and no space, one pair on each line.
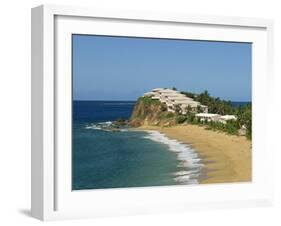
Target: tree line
223,107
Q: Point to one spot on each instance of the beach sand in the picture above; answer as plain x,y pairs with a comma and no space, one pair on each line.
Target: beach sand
227,158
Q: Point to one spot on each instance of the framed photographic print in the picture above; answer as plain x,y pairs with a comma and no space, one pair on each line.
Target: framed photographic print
137,112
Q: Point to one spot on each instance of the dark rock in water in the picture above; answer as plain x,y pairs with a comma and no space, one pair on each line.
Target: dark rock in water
118,125
114,126
121,122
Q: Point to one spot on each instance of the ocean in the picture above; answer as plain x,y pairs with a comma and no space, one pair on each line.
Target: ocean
240,103
103,158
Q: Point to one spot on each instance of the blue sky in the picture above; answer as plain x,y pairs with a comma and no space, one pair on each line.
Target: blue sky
119,68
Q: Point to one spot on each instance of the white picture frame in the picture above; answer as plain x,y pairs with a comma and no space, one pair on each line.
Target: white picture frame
52,197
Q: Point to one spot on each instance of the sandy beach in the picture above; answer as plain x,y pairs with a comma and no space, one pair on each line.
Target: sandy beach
226,158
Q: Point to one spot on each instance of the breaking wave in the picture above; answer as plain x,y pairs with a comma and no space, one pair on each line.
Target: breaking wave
99,125
106,126
190,164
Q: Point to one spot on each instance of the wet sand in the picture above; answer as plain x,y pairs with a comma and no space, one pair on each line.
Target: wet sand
227,158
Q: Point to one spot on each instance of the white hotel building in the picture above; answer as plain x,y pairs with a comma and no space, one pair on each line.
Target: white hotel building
173,98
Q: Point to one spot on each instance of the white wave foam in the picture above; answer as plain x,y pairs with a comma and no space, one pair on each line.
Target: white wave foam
188,158
99,125
105,126
92,126
108,123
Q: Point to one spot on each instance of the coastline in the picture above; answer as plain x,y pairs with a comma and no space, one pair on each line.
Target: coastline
226,158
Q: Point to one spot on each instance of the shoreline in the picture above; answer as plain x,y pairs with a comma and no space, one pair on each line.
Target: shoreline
226,158
190,165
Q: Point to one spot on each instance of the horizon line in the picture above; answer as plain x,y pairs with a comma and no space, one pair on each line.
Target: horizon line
136,100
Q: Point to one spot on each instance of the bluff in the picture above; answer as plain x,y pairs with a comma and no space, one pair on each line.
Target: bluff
148,111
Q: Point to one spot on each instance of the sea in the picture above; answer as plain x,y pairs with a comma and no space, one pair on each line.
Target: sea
103,158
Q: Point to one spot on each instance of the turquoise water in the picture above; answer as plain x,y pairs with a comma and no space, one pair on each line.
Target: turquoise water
125,158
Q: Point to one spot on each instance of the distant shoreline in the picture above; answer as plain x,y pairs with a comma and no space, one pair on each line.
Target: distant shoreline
226,158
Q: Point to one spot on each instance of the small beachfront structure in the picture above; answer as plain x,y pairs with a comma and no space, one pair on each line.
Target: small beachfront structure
208,117
215,117
175,100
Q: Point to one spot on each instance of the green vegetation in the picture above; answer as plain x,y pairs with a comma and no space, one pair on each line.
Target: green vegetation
181,119
230,127
188,109
149,101
199,109
244,118
215,105
170,115
222,107
192,119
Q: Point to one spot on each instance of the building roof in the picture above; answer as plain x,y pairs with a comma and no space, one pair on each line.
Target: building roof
158,89
167,91
172,97
228,117
149,94
191,104
207,115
